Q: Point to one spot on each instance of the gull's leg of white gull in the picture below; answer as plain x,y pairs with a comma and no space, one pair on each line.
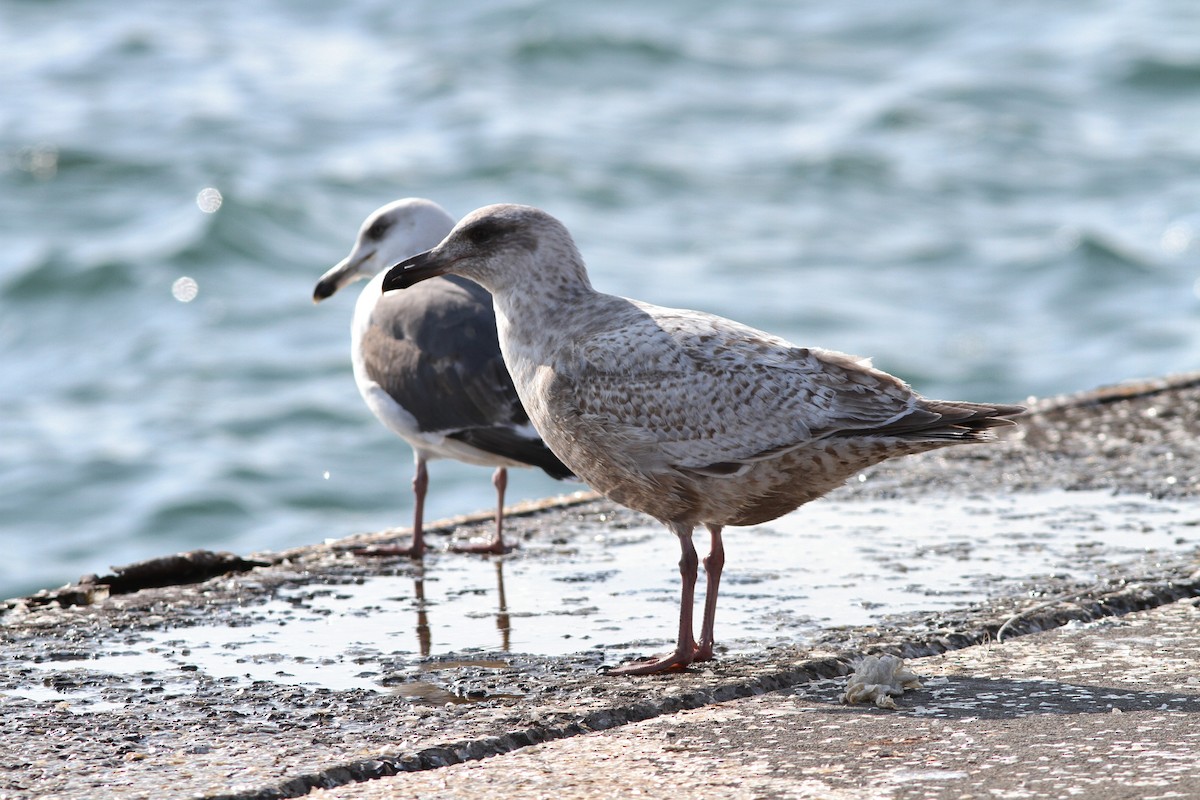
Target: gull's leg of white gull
685,645
713,564
420,484
496,545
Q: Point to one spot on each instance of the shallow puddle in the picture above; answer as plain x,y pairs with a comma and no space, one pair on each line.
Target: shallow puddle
84,700
829,564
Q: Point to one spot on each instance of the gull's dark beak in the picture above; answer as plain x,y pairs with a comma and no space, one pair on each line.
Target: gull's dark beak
414,270
348,270
327,285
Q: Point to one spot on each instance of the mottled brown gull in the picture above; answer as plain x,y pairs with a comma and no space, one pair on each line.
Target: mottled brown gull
689,417
428,365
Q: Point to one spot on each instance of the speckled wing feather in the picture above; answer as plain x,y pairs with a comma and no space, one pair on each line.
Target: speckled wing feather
691,390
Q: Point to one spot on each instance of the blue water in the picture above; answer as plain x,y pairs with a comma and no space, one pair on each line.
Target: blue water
993,199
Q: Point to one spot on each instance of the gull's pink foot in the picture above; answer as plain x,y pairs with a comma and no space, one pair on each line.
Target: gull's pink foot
675,661
495,547
415,551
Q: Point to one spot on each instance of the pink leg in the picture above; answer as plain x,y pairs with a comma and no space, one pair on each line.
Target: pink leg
685,646
496,545
420,485
417,549
714,562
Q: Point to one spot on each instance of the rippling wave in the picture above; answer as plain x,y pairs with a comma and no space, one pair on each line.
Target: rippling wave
992,201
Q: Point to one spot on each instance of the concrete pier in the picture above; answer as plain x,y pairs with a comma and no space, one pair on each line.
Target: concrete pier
114,686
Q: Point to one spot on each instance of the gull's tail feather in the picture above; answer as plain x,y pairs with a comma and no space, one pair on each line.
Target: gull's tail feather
947,421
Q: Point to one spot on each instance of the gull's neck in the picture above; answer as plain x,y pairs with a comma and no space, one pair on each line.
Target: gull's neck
539,311
547,293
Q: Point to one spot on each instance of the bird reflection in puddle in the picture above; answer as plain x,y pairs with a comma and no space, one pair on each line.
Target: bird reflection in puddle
422,605
425,692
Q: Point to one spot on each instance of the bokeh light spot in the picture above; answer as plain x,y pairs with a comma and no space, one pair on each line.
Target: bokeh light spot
185,289
209,200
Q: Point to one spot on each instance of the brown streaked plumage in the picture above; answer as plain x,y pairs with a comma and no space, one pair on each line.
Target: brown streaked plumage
689,417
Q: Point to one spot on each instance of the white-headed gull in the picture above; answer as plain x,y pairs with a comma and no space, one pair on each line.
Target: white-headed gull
428,365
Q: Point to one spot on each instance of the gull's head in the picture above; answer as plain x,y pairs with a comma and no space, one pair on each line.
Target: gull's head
390,234
498,247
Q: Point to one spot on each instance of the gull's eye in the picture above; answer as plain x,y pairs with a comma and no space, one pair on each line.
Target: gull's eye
378,228
485,232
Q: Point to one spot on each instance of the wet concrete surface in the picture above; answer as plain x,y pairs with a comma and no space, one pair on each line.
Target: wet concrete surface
1106,709
316,667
